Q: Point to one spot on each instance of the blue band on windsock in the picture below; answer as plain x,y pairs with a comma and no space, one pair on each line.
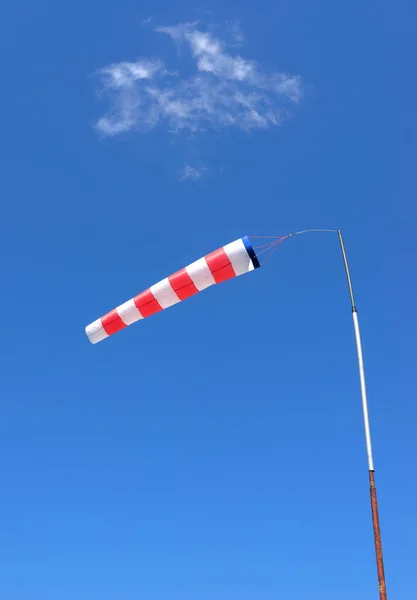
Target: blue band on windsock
251,252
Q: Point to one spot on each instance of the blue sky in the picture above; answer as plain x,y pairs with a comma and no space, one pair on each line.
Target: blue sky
215,450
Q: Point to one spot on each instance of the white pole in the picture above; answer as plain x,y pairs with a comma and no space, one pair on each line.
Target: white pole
363,392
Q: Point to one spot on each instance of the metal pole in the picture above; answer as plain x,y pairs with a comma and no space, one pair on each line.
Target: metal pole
374,501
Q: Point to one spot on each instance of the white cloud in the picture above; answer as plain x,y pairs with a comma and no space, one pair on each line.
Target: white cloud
191,173
226,91
124,75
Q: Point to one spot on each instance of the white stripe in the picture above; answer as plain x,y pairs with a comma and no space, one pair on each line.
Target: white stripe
95,332
238,256
129,312
200,274
163,292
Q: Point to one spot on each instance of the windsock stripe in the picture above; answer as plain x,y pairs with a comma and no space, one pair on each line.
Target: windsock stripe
239,257
95,332
147,303
129,312
164,294
200,274
182,284
220,265
112,322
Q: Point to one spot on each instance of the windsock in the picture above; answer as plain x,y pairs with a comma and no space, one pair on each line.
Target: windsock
227,262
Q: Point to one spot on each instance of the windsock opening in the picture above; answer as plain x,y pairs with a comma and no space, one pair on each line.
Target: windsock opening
251,252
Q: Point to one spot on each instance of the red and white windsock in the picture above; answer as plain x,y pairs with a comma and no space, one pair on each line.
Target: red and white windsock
227,262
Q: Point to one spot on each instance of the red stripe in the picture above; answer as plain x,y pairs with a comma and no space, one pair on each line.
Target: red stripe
182,284
220,265
147,304
112,322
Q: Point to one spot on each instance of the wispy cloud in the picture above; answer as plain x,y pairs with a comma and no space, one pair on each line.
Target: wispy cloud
191,173
236,32
225,90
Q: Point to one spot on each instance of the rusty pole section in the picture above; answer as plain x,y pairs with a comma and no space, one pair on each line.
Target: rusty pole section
377,538
374,502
